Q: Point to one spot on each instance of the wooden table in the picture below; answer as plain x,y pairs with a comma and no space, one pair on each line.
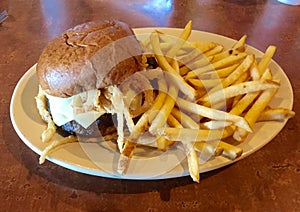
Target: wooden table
268,180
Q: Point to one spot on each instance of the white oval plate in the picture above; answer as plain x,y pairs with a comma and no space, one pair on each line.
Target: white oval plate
101,160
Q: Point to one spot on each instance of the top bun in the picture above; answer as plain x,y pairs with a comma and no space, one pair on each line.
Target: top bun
89,56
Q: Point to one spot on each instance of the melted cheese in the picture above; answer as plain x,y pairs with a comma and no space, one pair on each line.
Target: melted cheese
80,107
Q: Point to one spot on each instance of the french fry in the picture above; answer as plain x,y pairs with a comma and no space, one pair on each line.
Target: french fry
192,158
140,127
124,159
203,61
165,110
202,146
177,79
183,70
212,113
188,147
242,68
239,89
184,119
220,73
215,125
203,46
276,114
266,59
191,56
180,41
254,73
262,101
162,143
175,65
224,54
225,149
241,43
204,83
232,59
249,98
214,51
190,135
230,151
254,112
243,78
54,145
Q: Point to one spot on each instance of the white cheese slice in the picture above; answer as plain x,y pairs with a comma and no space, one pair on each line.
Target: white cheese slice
79,107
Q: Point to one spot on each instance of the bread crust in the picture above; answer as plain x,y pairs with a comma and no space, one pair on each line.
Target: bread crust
89,56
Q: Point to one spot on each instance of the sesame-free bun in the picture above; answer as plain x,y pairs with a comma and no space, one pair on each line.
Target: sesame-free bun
89,56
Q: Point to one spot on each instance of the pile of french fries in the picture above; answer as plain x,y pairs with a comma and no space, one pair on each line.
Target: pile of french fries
205,96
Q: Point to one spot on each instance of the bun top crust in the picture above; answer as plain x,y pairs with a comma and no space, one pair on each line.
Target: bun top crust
89,56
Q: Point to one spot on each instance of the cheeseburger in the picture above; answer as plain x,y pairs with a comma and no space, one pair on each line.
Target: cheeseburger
78,70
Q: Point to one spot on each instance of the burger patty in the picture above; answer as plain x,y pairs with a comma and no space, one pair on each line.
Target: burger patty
104,125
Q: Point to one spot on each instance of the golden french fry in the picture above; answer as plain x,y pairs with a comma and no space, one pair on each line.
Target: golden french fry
224,54
204,83
192,158
188,147
54,145
204,46
204,61
183,70
165,111
214,51
124,159
239,89
266,59
242,68
173,122
230,151
276,114
238,108
215,125
183,51
253,113
177,79
241,43
140,127
181,40
185,120
232,59
220,73
162,143
212,113
244,77
202,146
190,135
175,65
128,149
150,114
191,56
249,98
254,73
